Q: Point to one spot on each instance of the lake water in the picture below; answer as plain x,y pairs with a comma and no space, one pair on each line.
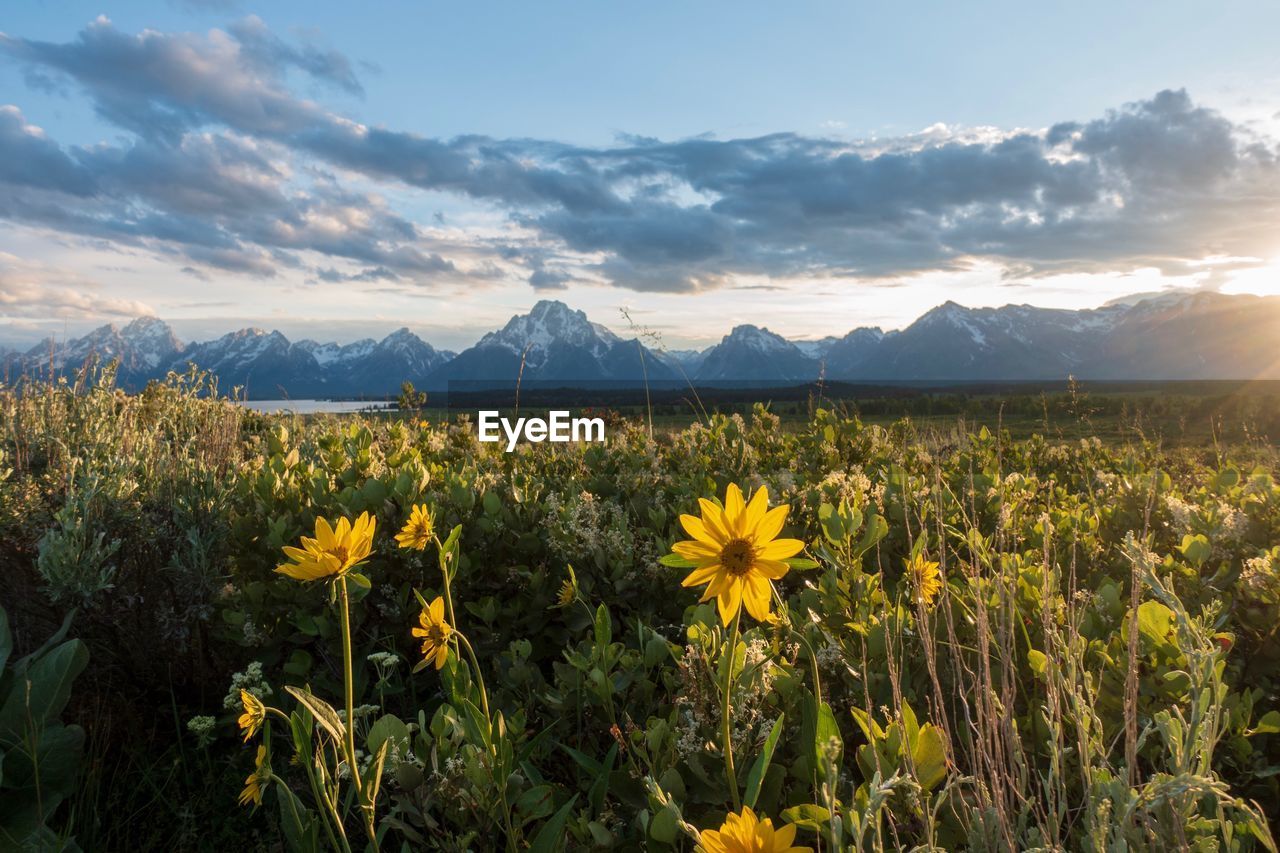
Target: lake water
314,407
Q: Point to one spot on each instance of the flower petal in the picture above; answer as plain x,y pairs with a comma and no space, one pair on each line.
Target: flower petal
734,507
701,575
770,525
772,569
729,602
692,549
779,549
756,594
695,527
713,519
755,510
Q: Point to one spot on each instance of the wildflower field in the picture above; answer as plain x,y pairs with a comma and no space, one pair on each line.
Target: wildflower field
230,631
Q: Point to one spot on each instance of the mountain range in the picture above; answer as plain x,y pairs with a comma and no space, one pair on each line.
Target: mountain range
1172,335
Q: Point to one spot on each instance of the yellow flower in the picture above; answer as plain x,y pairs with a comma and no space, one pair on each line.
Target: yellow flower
736,551
254,713
418,530
435,632
744,833
926,580
568,591
253,785
333,551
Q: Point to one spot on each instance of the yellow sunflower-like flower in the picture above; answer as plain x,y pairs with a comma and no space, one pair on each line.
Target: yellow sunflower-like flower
418,530
926,580
435,632
568,591
257,780
745,833
334,550
254,713
737,552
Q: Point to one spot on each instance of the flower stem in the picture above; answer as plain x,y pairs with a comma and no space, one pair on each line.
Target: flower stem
475,664
348,673
730,653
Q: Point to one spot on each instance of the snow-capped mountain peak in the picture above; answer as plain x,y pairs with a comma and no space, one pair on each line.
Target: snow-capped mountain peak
758,338
550,322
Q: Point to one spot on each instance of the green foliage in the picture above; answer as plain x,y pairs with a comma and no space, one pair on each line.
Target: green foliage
39,755
1100,669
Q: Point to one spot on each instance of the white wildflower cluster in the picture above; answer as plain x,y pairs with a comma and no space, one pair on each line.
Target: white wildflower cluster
359,711
1232,523
830,658
852,485
699,702
251,681
583,524
1106,480
252,636
1058,453
1260,581
202,727
1181,512
384,660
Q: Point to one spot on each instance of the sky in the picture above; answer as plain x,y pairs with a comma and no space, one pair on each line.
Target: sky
341,171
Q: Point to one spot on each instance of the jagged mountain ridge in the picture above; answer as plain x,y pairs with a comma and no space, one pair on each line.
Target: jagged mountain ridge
1199,335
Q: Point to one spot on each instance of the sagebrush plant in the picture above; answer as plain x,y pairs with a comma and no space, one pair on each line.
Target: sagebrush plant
967,641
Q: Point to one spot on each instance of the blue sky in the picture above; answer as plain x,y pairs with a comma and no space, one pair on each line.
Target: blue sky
338,171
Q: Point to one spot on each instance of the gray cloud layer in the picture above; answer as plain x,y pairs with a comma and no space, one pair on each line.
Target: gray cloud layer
218,134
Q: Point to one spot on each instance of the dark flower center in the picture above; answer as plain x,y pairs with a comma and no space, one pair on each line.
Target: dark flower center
738,556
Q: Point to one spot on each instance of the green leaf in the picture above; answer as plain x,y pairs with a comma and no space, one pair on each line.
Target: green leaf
301,829
388,728
1268,724
359,580
1155,622
535,803
929,755
40,694
324,713
802,563
476,725
604,627
548,838
600,787
761,765
663,827
825,730
1196,549
807,816
675,561
1037,661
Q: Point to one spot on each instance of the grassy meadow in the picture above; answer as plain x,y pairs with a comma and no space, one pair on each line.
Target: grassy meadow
1043,622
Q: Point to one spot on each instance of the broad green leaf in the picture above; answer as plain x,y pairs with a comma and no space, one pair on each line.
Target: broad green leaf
604,627
1155,622
1037,661
40,694
1196,549
807,816
535,803
761,765
825,731
549,837
929,756
1268,724
324,713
